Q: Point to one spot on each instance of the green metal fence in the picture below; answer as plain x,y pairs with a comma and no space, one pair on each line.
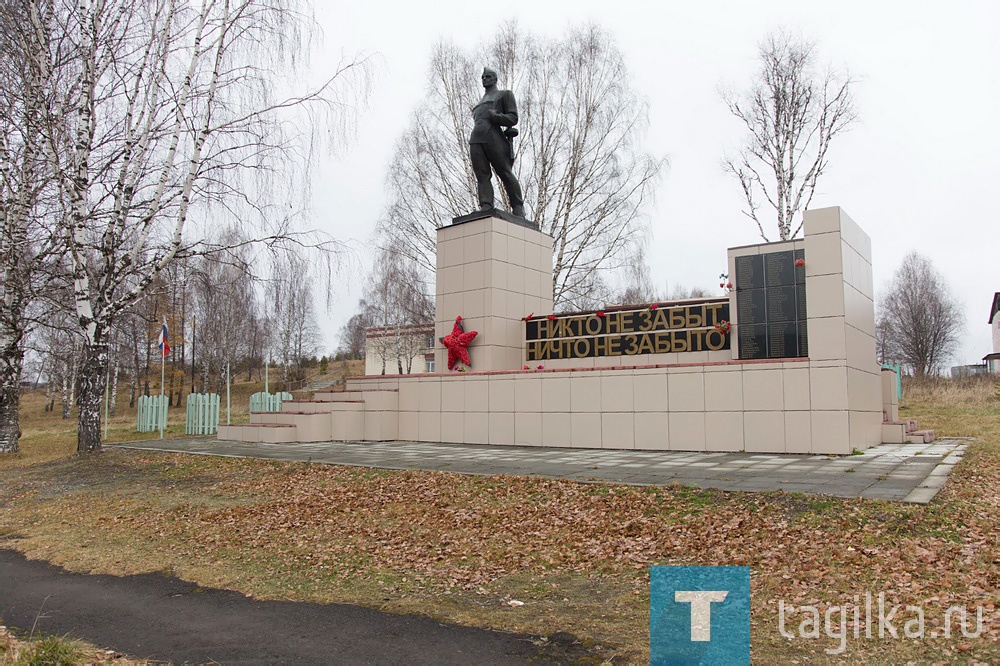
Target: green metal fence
202,414
899,381
268,402
152,413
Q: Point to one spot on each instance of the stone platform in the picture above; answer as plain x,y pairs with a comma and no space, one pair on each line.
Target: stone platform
901,472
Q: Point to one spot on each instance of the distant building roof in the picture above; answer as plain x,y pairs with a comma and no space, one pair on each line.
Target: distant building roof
992,357
996,306
392,331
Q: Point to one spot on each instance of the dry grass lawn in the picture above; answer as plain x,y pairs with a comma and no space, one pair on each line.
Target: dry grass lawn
460,548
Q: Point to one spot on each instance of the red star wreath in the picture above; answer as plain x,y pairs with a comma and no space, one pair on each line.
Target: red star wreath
457,343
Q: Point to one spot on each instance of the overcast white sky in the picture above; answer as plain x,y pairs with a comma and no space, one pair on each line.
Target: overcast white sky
918,172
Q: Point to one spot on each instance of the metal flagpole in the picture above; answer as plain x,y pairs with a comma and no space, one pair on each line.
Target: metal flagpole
163,373
228,403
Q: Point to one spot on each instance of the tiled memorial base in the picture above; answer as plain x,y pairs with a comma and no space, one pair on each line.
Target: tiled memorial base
902,472
491,272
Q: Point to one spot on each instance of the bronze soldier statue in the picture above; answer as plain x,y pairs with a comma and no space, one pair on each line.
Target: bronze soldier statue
492,146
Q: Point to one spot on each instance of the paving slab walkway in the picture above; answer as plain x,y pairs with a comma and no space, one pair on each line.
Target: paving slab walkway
903,472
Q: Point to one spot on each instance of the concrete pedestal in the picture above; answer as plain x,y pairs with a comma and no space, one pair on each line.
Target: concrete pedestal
492,272
837,404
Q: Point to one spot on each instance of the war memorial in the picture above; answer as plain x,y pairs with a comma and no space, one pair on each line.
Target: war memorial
783,363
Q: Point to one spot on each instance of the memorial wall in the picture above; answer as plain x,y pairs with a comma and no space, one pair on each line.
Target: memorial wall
657,377
656,329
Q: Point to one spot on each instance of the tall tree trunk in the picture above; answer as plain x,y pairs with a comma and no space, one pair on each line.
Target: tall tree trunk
11,359
149,349
136,367
75,372
170,384
114,386
66,401
50,393
90,391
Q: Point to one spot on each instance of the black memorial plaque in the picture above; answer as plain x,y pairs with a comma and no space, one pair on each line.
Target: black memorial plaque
782,340
780,303
779,269
771,305
750,307
753,340
749,272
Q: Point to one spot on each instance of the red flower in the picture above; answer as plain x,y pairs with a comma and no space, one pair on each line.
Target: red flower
552,317
525,368
600,313
654,306
723,326
729,285
541,367
528,318
799,263
722,285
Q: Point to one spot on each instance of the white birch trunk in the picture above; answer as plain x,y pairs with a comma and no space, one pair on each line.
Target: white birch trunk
67,397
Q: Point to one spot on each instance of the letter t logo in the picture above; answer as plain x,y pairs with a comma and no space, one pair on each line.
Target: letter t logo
701,611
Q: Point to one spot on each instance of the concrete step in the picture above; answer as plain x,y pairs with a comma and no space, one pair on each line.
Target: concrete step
320,405
893,432
921,436
381,400
343,396
368,414
309,426
348,425
265,433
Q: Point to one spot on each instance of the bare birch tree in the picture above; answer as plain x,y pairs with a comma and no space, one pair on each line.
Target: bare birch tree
585,178
352,337
27,247
295,335
637,285
919,321
396,298
227,310
169,117
791,112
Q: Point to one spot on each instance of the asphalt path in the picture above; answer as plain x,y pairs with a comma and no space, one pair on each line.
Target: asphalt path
165,619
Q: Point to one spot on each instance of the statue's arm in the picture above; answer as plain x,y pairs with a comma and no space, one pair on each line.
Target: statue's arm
506,110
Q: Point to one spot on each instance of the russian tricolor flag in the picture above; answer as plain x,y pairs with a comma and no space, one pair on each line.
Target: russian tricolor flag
164,344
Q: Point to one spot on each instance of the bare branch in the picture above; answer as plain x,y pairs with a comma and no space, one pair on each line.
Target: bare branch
791,115
585,180
919,321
